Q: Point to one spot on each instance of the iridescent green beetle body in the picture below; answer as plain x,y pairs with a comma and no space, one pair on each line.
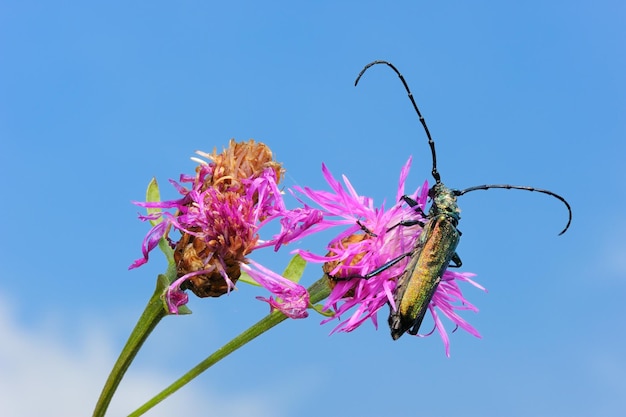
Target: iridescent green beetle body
430,258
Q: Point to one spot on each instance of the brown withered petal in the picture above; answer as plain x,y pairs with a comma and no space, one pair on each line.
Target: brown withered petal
190,255
241,160
213,284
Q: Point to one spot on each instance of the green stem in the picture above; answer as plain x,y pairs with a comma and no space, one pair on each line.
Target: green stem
150,317
317,292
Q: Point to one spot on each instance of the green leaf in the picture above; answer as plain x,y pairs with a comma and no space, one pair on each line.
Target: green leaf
153,195
244,277
295,269
163,282
319,308
182,310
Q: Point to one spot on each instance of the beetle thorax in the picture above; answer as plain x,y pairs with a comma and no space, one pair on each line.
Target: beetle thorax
444,202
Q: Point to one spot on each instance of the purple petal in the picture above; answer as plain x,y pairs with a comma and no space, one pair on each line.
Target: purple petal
150,242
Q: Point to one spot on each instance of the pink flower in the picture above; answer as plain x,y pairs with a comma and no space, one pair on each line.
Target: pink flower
367,248
219,218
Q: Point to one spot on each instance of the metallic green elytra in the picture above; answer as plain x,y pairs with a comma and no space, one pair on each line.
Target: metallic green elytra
433,251
435,248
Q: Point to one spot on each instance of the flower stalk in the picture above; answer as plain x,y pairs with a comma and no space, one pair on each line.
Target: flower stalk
318,291
151,316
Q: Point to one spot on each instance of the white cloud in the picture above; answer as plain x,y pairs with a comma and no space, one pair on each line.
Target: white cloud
44,375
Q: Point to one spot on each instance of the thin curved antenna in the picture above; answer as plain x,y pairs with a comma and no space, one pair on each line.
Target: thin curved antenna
431,142
520,187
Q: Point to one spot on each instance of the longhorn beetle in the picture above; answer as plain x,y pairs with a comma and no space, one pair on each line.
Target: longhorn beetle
435,248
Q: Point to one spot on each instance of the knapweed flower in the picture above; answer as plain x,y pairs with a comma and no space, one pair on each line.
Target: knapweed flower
231,197
365,261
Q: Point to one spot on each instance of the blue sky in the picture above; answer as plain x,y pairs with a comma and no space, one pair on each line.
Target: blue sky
96,99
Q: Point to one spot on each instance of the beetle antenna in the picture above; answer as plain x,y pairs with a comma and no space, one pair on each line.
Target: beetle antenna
431,142
520,187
